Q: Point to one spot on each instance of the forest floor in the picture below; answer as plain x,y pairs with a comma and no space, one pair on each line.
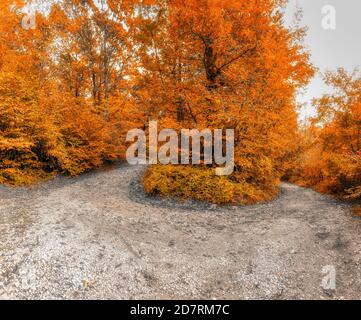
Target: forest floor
100,237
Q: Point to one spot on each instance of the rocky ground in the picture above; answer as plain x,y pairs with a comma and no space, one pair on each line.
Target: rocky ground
100,237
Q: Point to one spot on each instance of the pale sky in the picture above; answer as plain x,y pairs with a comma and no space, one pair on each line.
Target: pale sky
330,49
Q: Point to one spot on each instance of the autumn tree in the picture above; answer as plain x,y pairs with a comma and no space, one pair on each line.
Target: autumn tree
64,104
226,65
332,160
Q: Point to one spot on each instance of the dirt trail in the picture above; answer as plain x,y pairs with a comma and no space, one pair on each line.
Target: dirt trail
99,236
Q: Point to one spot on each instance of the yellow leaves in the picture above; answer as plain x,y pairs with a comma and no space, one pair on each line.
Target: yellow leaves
21,145
201,183
41,134
89,142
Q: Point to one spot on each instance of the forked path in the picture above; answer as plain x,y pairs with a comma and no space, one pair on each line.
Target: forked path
99,236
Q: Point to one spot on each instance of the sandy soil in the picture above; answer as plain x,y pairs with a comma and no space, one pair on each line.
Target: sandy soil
99,236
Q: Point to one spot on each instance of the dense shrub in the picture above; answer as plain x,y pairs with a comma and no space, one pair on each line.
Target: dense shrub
41,136
201,183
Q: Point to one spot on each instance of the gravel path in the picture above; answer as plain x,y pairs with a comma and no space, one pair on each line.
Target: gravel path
98,236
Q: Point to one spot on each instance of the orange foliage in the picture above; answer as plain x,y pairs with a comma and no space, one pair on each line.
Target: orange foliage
63,109
201,183
331,161
226,65
91,70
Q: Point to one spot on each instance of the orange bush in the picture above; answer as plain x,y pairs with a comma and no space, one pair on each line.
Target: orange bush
201,183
